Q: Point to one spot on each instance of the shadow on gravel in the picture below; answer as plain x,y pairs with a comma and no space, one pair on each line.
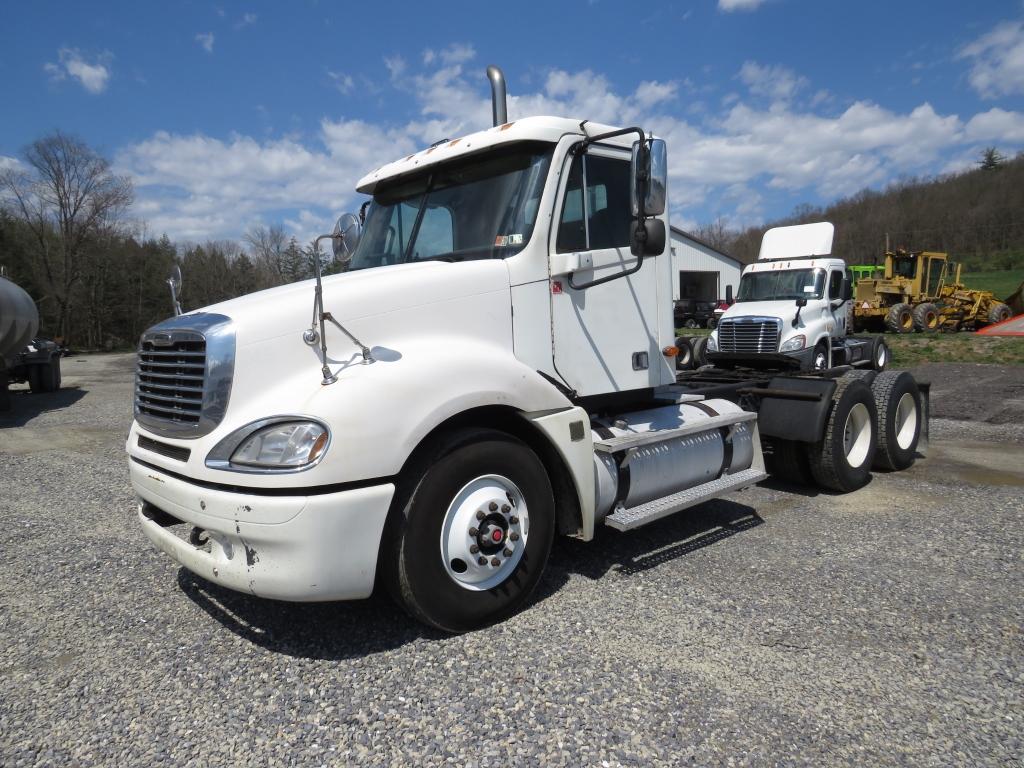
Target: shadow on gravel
655,544
25,406
329,631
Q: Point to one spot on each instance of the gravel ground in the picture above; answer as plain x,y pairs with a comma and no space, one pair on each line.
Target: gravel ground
780,626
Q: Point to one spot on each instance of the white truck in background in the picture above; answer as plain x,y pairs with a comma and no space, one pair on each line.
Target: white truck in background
793,308
495,367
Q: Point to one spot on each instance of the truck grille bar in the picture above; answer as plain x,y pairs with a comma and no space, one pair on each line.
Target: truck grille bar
183,375
749,335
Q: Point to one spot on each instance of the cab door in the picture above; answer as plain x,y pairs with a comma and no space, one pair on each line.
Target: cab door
605,338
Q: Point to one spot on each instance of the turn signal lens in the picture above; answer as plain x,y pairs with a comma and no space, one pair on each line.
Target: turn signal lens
670,351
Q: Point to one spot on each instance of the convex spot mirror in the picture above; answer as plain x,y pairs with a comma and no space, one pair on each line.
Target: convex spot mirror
649,178
346,233
174,278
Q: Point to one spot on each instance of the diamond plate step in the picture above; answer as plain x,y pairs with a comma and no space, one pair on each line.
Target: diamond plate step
628,519
638,439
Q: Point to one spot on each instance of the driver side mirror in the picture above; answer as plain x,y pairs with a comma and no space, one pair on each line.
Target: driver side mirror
648,178
847,291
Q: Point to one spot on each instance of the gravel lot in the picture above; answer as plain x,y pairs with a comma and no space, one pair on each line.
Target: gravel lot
779,626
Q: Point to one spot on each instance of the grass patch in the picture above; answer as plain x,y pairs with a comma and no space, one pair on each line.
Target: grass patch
914,348
1001,283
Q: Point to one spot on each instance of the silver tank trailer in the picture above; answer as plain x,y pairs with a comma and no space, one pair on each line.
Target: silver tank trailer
663,468
19,319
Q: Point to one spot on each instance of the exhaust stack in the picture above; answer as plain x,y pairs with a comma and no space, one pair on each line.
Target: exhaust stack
499,109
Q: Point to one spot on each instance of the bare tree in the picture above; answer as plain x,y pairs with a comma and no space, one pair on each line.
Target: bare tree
65,193
269,252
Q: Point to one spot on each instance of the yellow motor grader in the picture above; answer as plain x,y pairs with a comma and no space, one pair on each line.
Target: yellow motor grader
921,291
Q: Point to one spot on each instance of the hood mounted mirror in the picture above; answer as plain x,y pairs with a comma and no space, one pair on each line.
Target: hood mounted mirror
174,282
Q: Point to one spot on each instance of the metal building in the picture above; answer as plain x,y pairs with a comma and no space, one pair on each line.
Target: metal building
701,272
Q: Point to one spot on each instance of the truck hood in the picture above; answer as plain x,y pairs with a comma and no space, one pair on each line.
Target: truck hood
780,309
359,296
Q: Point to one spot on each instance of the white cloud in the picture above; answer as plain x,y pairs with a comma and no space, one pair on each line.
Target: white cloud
775,82
8,162
343,82
248,19
93,75
997,61
730,161
739,5
205,39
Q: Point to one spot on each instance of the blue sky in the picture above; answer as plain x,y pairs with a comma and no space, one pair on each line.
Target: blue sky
234,114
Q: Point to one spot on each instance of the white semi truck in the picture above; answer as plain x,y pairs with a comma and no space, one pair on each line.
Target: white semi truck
495,367
793,308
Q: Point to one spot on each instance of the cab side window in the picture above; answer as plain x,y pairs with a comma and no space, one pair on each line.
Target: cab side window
835,284
600,219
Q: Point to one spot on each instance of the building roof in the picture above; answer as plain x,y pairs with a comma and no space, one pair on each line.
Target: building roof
688,236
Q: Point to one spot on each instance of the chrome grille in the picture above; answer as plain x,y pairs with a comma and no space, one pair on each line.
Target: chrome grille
755,335
183,375
170,376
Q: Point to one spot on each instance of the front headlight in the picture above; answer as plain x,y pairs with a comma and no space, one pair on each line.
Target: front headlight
712,344
280,444
794,344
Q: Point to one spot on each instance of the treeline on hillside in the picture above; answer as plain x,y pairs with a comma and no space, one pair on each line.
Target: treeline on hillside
65,238
976,216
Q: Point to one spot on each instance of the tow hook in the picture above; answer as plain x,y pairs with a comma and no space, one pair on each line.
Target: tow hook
196,537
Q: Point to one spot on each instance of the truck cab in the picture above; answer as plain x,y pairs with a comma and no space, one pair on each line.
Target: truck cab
793,306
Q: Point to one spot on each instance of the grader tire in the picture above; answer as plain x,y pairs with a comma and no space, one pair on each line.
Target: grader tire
999,312
899,318
926,317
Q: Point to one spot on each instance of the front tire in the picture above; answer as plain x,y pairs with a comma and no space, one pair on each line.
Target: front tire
999,312
926,317
819,358
471,539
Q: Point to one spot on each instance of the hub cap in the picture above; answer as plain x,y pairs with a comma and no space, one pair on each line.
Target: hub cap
857,435
906,421
484,532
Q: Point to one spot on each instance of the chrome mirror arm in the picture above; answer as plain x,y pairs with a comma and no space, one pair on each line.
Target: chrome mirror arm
317,331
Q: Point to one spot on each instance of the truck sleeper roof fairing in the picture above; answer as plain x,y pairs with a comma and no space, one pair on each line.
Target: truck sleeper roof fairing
549,129
797,241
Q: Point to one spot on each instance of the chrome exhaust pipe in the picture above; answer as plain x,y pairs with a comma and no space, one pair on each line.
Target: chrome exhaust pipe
499,109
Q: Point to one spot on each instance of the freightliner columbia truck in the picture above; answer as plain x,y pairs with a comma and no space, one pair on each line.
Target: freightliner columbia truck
494,367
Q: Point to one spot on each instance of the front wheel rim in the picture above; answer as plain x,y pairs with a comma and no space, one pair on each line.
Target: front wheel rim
906,421
484,533
857,435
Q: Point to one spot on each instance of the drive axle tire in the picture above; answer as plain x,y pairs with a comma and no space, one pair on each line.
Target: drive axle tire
899,318
468,540
926,317
999,312
898,405
841,461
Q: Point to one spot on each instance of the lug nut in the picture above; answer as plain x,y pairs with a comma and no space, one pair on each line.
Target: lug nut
514,520
474,549
506,508
492,506
513,536
507,552
480,514
481,560
495,562
473,531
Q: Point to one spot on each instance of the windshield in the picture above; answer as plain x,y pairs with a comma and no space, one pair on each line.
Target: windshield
483,208
780,285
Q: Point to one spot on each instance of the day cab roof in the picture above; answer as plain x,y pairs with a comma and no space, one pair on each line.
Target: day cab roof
542,128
